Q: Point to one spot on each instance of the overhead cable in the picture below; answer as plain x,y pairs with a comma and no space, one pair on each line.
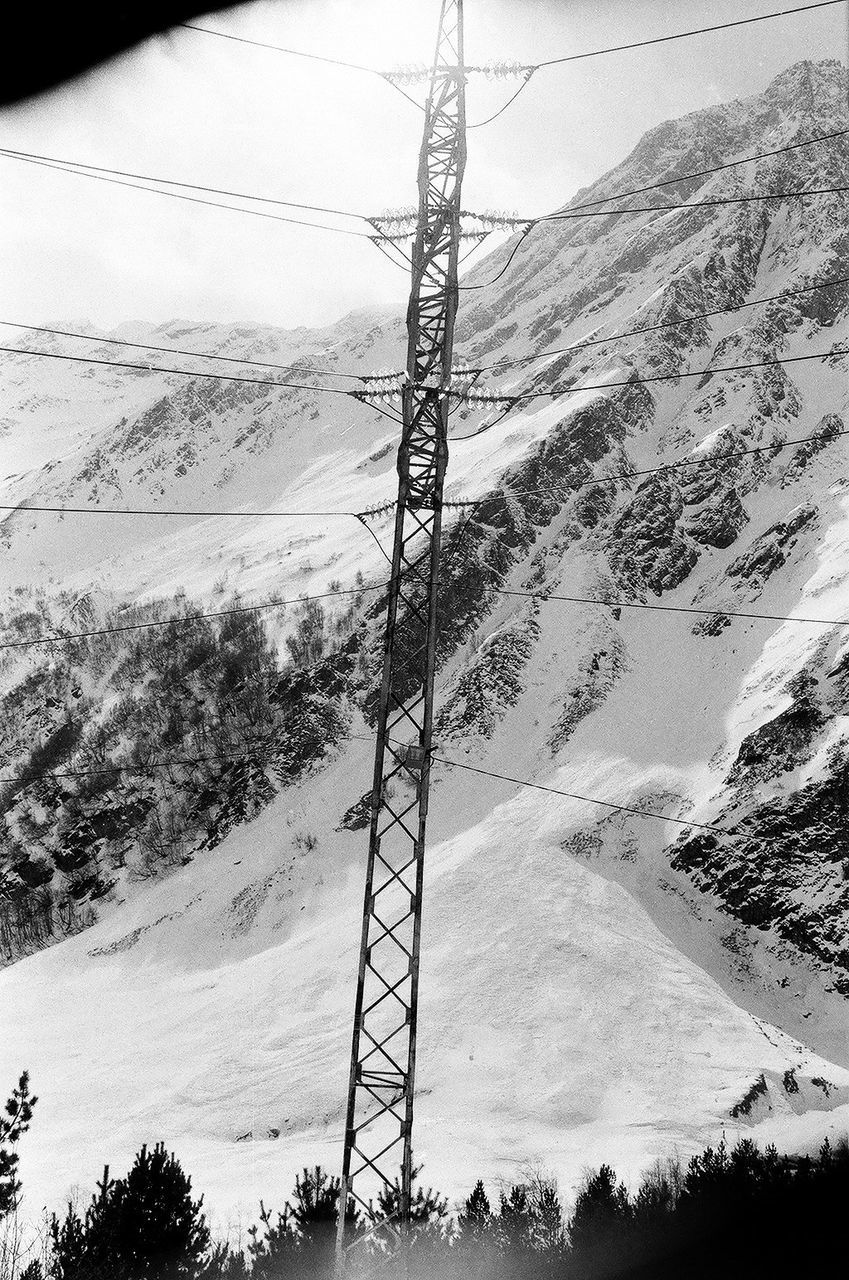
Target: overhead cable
707,460
184,373
690,177
571,795
295,53
136,768
356,395
485,284
178,351
693,204
523,782
178,195
247,754
691,373
528,223
109,173
717,168
184,619
529,226
686,177
517,398
249,751
298,53
665,324
682,35
543,596
24,507
173,182
479,124
527,70
498,364
535,66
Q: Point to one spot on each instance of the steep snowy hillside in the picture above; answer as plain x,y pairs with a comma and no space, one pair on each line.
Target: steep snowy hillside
597,983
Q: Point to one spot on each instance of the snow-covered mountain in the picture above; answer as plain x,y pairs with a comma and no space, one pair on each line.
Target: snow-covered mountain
596,984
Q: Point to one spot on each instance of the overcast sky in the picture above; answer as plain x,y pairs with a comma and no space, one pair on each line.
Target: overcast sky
210,111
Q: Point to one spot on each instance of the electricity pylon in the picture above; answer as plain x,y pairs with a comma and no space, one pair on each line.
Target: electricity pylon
378,1128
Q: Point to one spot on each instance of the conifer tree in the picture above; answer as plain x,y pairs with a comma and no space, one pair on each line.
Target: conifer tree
474,1222
428,1209
160,1229
314,1202
14,1123
142,1227
274,1254
547,1235
515,1226
313,1213
598,1228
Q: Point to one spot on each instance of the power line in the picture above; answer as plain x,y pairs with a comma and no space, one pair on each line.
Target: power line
479,124
588,211
454,764
458,503
299,53
185,619
654,186
717,168
86,169
571,795
178,351
529,224
544,596
498,364
169,764
173,182
338,391
24,508
472,288
295,53
117,176
374,237
709,460
666,324
541,595
692,373
688,177
185,373
176,195
693,204
550,62
659,377
136,768
681,35
530,68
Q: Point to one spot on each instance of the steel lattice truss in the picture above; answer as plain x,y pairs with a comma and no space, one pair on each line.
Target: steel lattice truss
380,1097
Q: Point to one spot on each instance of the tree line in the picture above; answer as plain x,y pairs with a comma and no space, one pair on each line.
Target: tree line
729,1213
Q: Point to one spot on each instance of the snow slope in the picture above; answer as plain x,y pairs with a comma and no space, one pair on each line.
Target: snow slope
558,1022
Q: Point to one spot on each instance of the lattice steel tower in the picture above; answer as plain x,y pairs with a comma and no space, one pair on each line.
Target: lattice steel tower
378,1128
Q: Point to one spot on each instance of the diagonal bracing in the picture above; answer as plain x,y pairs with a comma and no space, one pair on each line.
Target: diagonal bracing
379,1118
